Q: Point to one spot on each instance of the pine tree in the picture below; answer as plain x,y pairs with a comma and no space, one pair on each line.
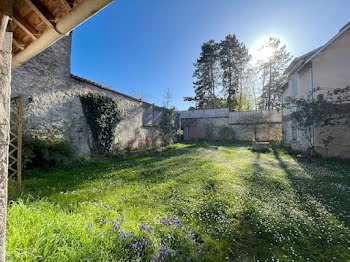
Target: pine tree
273,74
207,75
233,57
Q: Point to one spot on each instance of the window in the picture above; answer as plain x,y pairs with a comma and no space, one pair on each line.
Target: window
295,83
294,130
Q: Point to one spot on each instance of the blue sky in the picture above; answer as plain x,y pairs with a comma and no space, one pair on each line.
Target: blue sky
142,48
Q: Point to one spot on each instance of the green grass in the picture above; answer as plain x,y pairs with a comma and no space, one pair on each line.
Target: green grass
224,203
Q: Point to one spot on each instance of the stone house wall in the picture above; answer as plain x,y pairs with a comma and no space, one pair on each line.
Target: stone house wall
52,106
299,86
266,125
327,71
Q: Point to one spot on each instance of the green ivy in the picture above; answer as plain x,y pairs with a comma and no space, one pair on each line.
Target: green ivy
102,115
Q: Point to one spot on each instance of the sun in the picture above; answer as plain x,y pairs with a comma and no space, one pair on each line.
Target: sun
259,51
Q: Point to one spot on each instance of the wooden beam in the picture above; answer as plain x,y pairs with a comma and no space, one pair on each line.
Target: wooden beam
77,2
6,7
18,43
39,12
66,5
27,28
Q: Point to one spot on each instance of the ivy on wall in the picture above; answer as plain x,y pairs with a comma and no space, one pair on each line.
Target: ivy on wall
102,115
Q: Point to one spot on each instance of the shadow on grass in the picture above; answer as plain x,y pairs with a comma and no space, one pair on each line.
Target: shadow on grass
142,169
269,210
286,216
330,188
319,210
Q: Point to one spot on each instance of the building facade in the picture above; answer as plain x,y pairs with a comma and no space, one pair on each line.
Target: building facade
52,107
317,72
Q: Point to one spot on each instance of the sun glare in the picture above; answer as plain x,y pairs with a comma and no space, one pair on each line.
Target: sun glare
259,52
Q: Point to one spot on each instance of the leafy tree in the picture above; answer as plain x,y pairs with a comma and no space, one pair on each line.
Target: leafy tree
233,57
272,72
243,105
167,124
207,75
249,89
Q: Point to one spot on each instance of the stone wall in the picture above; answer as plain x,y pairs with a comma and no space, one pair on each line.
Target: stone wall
246,126
5,90
52,106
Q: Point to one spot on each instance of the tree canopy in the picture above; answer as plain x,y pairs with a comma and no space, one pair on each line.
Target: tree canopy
226,77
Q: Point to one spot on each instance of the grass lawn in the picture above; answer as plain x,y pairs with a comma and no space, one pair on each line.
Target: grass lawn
193,202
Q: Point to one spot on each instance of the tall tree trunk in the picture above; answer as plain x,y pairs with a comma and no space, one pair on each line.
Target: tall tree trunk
254,94
240,93
269,93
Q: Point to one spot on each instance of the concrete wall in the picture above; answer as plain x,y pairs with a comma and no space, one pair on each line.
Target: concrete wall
5,91
52,107
330,70
246,126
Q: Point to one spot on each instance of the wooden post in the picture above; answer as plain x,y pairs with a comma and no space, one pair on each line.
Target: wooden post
19,145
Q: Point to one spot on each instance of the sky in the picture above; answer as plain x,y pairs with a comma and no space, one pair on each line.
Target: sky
143,48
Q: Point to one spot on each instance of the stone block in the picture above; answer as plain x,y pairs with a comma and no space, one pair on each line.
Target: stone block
262,147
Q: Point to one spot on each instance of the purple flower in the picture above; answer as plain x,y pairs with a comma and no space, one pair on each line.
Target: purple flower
166,253
134,246
116,226
90,226
122,234
166,222
142,227
150,229
175,220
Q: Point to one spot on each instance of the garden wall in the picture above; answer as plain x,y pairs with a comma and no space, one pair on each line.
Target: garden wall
52,106
246,126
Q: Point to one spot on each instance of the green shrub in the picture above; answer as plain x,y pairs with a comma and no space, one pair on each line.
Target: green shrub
167,126
226,133
179,134
46,153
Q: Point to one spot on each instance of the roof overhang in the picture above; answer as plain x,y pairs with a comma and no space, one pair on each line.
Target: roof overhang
37,24
284,85
300,62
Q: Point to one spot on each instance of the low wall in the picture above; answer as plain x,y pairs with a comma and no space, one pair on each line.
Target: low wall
245,126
